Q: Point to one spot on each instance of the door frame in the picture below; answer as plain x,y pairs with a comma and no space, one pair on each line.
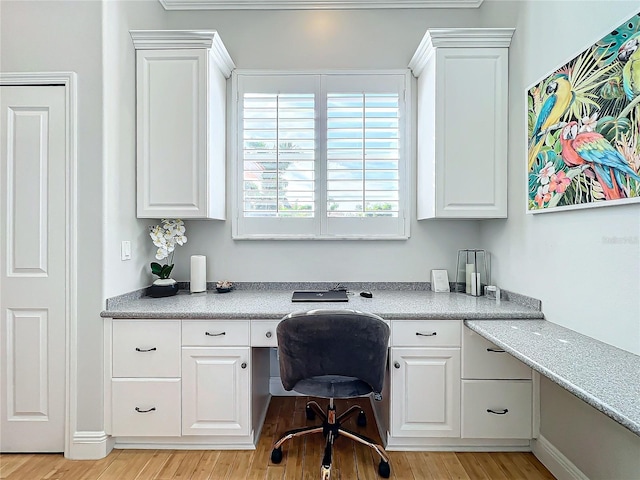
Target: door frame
69,81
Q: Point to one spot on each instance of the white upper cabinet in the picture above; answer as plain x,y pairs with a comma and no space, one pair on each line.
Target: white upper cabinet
462,123
181,84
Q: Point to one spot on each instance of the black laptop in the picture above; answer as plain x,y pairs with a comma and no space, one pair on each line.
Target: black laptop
320,296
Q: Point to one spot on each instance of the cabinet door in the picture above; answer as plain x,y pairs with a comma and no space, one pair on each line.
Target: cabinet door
172,133
215,391
425,392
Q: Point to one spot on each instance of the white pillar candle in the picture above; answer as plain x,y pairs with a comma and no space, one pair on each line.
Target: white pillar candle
470,270
478,291
473,288
198,273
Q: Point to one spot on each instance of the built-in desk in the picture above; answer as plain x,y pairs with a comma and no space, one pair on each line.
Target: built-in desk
192,371
605,377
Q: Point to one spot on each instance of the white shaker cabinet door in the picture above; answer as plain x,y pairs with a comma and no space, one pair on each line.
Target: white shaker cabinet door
215,391
425,392
181,85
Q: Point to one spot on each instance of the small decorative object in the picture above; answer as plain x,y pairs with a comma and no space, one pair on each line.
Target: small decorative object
439,281
583,131
474,266
198,281
165,236
224,286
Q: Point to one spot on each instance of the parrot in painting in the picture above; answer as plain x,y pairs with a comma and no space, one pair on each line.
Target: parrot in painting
593,150
629,56
560,97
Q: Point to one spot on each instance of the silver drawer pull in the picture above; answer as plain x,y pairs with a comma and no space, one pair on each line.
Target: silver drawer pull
268,334
432,334
209,334
153,349
498,412
495,350
152,409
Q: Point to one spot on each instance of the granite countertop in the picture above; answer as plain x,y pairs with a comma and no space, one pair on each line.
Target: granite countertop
604,376
273,304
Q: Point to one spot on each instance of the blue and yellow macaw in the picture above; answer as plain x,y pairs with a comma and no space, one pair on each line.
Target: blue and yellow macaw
629,56
592,149
560,97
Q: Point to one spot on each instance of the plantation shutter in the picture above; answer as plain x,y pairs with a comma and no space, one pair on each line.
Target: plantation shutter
321,156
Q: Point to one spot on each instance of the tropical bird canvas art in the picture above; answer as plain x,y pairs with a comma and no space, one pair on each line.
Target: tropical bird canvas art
584,127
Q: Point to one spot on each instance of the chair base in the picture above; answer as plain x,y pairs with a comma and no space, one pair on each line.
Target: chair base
331,429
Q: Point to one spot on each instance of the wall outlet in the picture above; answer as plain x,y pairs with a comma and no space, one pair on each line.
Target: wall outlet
125,250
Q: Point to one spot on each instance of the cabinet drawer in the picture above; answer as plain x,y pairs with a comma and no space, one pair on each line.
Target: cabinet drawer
509,402
481,359
425,333
146,407
263,333
146,348
215,333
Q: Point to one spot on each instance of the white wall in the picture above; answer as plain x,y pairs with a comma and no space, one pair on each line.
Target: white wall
567,259
119,107
66,36
346,39
586,281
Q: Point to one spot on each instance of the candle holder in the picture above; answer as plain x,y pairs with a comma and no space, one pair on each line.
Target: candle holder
472,272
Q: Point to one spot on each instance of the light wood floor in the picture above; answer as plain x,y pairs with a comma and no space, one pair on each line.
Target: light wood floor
301,459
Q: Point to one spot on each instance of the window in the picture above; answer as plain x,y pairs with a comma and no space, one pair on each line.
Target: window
321,156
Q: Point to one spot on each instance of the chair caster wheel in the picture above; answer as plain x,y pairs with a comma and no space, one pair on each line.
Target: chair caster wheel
276,455
311,415
383,469
362,419
325,473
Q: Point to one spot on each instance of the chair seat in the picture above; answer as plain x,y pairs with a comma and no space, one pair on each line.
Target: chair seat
332,386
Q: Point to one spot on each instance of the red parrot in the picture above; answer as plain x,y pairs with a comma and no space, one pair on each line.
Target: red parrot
592,149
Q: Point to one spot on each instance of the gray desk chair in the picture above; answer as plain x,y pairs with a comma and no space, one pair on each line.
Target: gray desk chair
333,354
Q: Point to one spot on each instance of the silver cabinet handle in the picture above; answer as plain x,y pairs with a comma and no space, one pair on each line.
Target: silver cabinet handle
495,350
153,349
498,412
396,364
432,334
268,334
243,365
139,410
209,334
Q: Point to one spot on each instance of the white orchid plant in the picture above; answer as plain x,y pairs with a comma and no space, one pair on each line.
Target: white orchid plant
166,236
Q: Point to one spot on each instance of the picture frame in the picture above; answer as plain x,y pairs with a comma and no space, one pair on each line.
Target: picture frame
583,127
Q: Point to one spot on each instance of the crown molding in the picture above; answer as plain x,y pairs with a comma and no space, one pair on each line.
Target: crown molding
312,4
458,38
181,39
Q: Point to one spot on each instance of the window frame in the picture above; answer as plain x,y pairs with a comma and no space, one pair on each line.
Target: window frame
320,227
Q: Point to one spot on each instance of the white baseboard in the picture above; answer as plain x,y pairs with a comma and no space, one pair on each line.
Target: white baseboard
90,446
559,465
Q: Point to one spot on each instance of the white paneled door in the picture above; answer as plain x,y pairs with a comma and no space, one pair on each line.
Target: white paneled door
33,268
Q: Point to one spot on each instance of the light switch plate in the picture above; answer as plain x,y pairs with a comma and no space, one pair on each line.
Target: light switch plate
125,250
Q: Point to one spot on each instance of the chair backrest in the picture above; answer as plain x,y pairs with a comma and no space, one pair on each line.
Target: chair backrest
333,342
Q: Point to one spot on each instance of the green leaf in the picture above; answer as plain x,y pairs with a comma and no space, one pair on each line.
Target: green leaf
156,268
613,128
166,271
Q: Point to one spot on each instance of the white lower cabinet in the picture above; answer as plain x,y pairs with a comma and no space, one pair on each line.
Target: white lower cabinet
497,397
496,409
215,391
145,407
425,386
